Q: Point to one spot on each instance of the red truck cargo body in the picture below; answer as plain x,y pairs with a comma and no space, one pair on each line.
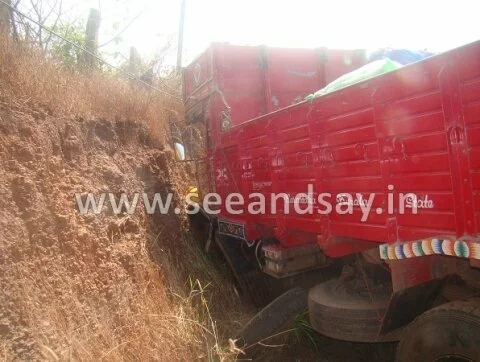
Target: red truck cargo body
253,81
414,130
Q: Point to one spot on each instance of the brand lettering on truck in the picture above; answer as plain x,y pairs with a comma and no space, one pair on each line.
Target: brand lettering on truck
413,201
348,200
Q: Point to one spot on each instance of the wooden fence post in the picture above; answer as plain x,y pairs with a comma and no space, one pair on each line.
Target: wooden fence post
91,38
4,18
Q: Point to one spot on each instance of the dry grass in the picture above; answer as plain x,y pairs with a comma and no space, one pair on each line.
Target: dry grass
27,75
92,298
140,321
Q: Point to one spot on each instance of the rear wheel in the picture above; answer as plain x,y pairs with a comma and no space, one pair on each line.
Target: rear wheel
347,310
448,333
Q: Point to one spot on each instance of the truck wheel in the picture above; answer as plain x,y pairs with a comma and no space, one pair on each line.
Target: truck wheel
345,310
273,317
450,332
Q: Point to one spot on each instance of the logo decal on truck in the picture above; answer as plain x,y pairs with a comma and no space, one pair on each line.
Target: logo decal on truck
222,175
414,201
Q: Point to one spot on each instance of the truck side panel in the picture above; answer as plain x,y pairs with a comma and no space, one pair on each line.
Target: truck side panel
414,130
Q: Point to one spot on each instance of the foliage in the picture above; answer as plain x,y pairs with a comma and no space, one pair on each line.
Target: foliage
303,331
64,51
135,65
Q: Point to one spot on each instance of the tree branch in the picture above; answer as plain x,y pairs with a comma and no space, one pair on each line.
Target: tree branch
49,38
12,20
123,30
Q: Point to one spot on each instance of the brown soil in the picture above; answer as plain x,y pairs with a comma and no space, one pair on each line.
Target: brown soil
94,286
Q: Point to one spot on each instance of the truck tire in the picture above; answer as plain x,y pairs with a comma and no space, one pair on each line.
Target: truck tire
450,332
339,310
273,317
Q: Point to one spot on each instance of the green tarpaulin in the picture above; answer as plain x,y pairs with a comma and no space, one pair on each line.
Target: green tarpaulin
368,71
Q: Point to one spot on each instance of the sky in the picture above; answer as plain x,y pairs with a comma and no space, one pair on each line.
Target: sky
367,24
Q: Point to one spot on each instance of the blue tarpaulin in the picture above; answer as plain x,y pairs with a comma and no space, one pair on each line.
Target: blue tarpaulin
401,56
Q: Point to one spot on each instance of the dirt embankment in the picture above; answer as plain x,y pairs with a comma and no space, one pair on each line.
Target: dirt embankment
100,286
105,287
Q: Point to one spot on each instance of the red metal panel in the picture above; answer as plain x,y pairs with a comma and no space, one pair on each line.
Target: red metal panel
197,75
416,130
292,144
292,74
339,62
468,73
347,160
459,158
254,81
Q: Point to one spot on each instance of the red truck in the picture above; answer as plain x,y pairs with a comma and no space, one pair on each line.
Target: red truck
388,169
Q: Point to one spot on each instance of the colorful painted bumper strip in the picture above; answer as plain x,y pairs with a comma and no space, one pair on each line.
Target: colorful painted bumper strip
412,249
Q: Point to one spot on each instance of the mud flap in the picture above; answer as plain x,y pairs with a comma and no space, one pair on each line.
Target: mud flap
407,304
271,319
